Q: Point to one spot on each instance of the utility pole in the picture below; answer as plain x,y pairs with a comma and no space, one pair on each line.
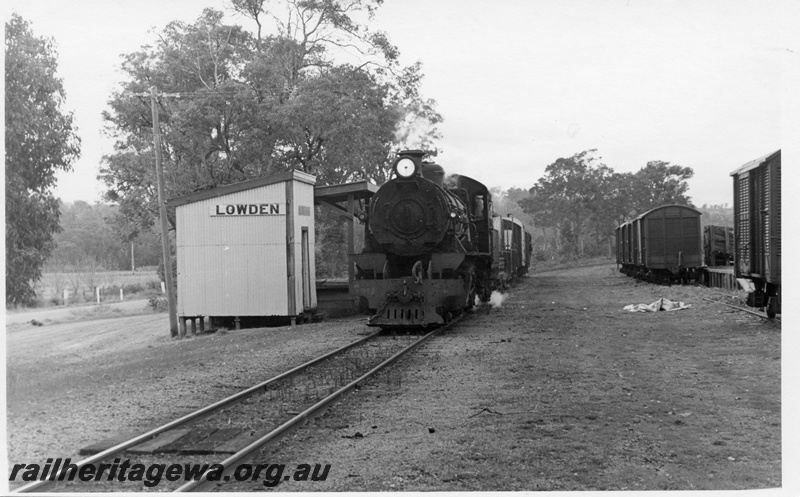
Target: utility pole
162,210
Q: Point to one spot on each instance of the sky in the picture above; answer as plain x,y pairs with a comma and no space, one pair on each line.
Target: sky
520,83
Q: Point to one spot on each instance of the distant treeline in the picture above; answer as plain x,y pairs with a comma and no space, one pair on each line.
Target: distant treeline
91,238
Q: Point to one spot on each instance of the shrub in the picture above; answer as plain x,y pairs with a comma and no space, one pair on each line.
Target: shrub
540,255
133,288
158,304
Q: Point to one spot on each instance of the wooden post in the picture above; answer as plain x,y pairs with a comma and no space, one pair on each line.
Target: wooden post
162,211
290,255
350,238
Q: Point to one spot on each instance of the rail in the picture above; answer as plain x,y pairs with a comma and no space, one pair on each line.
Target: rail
231,462
191,417
754,313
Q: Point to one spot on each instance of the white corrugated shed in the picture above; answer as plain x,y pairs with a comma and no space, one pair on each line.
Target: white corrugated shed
247,249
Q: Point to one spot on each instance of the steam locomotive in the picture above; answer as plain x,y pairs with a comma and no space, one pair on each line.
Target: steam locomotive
433,246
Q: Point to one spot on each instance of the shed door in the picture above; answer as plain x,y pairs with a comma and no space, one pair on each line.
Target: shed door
306,270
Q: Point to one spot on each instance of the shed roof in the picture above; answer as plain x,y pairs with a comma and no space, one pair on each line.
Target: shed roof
242,186
756,162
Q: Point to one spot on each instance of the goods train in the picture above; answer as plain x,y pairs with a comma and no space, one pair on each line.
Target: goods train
433,246
663,244
757,230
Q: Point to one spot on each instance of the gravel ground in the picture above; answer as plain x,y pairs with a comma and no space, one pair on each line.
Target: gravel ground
557,389
73,384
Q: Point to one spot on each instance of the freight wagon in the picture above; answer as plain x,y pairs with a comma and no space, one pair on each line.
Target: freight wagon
663,244
757,230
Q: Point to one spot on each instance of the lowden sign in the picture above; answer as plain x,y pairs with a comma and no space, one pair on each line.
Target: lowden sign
276,209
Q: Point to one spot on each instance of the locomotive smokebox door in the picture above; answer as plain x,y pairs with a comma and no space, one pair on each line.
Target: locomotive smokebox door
408,218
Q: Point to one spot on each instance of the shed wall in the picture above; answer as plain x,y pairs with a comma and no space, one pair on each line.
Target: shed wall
230,265
303,209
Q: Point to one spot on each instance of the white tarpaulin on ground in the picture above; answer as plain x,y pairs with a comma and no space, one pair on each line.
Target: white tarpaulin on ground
661,304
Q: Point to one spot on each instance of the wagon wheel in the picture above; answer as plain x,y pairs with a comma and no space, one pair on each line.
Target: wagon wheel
772,307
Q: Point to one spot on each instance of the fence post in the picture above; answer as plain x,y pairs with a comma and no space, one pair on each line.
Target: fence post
66,294
121,295
98,294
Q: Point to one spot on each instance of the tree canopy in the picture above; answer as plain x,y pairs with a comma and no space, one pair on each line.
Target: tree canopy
568,194
581,197
40,140
659,183
237,105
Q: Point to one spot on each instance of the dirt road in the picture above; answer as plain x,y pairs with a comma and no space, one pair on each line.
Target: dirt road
47,315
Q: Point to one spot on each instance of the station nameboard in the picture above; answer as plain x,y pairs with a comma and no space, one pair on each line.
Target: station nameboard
275,209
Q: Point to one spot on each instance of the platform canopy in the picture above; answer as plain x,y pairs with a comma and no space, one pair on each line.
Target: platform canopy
333,196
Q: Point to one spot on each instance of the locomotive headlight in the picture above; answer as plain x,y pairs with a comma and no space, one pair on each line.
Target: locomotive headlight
405,167
453,215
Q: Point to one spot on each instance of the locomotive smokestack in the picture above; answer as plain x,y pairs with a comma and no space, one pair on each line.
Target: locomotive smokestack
417,155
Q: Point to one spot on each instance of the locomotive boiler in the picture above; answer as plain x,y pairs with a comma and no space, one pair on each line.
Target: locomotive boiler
428,247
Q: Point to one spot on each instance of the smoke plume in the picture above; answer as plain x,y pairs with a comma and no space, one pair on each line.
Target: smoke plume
496,300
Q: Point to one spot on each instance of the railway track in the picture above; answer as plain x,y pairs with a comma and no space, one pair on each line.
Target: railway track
286,395
754,313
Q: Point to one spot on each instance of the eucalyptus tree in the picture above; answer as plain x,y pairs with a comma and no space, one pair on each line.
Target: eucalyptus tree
659,183
40,140
238,105
566,196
